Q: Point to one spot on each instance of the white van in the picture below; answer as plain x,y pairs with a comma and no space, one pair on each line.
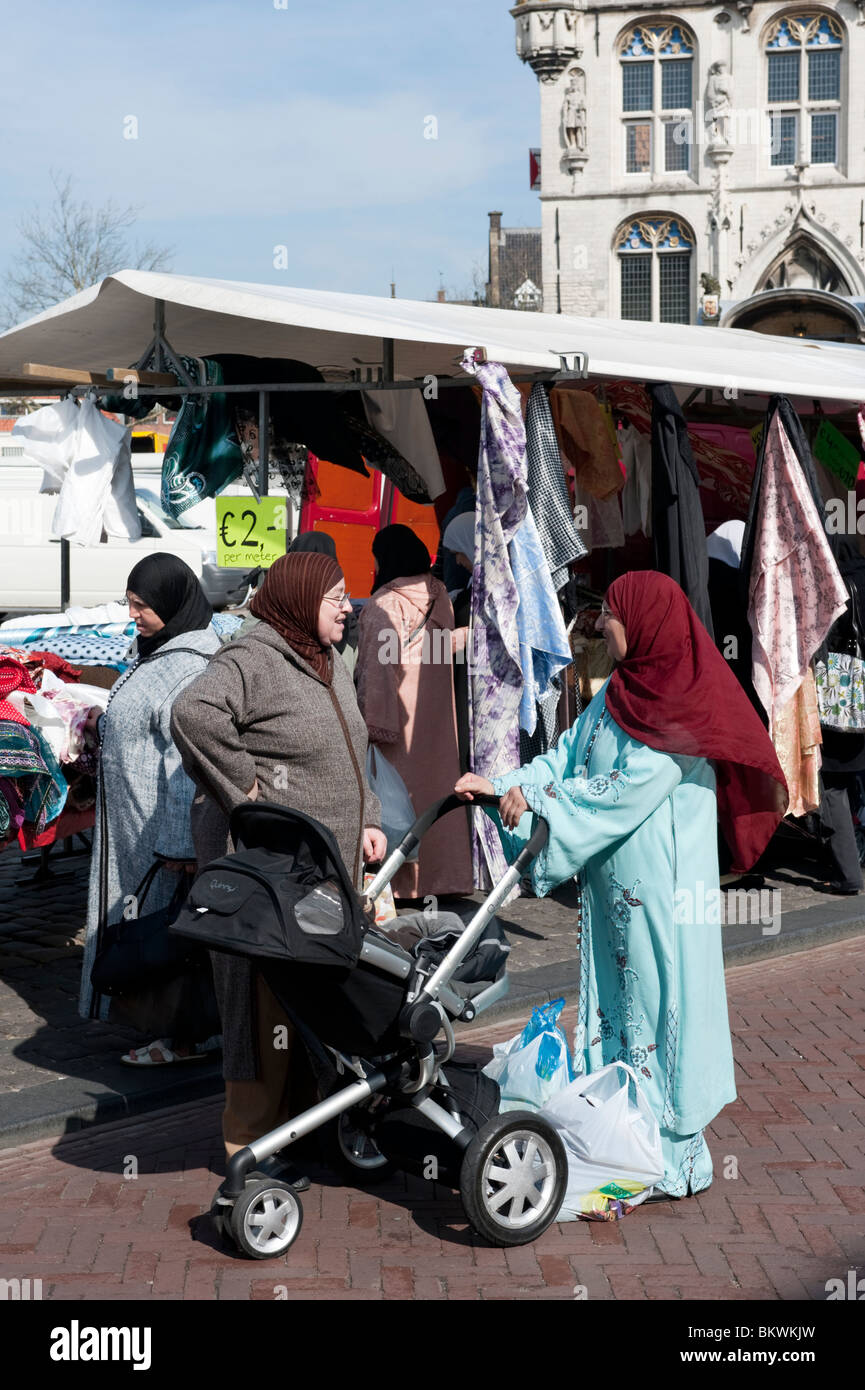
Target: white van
30,558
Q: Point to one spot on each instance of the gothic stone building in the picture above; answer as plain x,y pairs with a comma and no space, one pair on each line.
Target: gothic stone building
702,163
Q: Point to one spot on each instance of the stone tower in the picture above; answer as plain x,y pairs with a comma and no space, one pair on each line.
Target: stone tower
702,163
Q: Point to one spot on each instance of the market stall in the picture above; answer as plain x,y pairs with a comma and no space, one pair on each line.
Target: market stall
279,354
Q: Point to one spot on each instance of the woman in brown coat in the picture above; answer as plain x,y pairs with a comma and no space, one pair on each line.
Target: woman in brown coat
275,717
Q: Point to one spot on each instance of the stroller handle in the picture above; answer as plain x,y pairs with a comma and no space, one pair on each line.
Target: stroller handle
433,813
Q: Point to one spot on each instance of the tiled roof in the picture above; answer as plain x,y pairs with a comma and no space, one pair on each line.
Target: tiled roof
519,260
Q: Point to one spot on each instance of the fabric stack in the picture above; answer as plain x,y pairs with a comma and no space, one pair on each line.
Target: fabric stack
48,752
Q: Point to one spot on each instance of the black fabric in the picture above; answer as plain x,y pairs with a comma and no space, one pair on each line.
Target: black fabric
678,525
319,542
168,586
841,852
311,418
400,553
139,952
730,620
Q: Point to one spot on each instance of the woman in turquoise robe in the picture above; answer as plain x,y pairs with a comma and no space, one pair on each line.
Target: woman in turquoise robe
637,827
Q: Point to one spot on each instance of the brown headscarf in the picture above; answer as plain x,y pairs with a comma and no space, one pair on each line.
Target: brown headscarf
289,601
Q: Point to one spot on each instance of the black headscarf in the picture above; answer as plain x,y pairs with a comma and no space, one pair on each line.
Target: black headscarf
319,542
400,553
168,586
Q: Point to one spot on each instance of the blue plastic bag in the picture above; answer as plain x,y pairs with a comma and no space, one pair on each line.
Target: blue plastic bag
554,1044
535,1064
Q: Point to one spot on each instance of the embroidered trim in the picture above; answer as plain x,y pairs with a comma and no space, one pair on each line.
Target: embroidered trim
672,1040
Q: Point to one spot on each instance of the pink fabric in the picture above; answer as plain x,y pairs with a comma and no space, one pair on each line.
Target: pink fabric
406,695
796,591
797,743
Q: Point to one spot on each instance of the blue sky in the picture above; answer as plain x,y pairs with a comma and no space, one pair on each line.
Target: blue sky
259,126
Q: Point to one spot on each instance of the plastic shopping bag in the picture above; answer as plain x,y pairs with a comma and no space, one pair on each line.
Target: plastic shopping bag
397,812
534,1065
612,1140
385,907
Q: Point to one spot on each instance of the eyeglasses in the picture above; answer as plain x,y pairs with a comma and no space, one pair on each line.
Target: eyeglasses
342,599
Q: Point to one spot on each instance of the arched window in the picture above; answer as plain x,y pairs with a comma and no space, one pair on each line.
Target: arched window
657,63
803,88
655,270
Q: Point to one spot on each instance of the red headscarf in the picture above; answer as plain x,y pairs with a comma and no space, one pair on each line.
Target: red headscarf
675,692
289,601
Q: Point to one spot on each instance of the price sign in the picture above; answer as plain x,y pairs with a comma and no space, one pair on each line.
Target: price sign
250,533
837,454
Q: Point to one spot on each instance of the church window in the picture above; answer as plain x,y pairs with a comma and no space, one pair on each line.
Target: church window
657,62
655,269
803,58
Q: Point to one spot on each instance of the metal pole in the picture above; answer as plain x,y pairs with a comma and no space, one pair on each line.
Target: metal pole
159,333
65,585
387,359
263,442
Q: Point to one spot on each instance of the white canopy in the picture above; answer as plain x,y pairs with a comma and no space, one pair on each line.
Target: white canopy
111,324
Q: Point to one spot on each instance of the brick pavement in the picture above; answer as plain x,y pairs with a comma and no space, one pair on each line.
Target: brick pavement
58,1071
793,1218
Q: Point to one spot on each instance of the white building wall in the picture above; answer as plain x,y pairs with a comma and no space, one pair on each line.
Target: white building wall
761,202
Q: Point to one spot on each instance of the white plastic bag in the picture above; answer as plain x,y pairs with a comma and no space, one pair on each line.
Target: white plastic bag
612,1140
535,1065
397,812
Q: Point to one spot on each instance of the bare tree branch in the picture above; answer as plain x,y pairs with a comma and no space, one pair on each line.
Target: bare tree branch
69,246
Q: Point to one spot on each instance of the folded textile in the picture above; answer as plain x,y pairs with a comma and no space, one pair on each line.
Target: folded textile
52,662
13,676
11,809
26,757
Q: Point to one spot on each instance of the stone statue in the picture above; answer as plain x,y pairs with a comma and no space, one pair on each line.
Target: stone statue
719,103
574,112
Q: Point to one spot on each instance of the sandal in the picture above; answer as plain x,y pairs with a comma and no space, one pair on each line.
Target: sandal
144,1056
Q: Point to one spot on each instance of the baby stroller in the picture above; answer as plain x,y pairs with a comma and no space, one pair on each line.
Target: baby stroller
376,1018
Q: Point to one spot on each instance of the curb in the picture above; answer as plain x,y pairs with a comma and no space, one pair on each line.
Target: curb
71,1104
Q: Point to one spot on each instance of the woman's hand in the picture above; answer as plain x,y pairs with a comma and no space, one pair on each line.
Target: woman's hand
511,808
469,786
374,844
92,719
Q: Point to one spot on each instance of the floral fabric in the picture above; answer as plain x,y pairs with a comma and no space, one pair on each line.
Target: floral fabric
795,589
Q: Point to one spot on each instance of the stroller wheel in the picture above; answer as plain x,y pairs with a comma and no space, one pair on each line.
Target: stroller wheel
513,1178
266,1218
350,1149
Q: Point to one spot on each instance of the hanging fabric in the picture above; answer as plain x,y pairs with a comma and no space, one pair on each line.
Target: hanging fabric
795,589
678,527
401,418
520,640
548,492
86,456
636,451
